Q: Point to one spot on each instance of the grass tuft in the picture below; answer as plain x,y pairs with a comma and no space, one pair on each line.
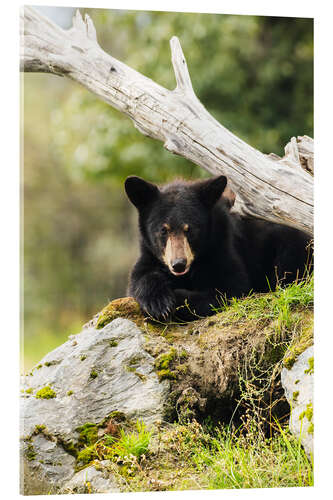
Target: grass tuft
127,446
195,456
272,306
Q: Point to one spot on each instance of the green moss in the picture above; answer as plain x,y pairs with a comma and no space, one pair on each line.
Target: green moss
295,395
88,434
182,369
117,415
135,360
130,368
29,391
86,455
69,447
113,343
166,375
69,393
45,393
308,413
51,363
38,367
141,376
93,374
310,370
301,342
30,453
83,357
163,361
289,361
39,428
125,307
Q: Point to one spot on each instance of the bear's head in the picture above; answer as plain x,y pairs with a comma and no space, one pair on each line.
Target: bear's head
175,220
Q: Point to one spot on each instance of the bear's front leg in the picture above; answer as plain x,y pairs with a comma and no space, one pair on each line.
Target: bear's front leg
153,293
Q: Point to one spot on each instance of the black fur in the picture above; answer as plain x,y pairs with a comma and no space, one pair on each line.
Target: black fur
233,254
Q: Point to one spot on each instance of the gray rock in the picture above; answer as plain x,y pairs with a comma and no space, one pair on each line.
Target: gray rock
298,386
50,466
90,480
93,374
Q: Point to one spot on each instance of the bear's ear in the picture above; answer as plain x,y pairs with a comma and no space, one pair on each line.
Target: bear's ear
139,191
211,190
229,197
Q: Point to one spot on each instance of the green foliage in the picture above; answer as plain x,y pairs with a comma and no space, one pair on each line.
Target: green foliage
201,456
132,443
257,81
261,463
278,305
128,445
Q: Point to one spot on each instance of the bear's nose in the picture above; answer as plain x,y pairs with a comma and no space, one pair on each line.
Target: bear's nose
179,265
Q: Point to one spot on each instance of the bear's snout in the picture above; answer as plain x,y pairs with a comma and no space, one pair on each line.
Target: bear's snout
178,255
179,265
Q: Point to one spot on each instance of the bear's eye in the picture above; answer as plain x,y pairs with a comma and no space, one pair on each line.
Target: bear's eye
165,229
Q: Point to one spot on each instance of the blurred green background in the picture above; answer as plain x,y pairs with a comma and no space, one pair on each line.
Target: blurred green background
253,74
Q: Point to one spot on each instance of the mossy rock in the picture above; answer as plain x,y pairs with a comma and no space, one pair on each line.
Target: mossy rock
301,342
125,307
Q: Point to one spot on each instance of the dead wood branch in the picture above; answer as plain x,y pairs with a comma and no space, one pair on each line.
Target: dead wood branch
267,187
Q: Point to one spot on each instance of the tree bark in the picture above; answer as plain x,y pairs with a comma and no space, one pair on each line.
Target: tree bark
269,187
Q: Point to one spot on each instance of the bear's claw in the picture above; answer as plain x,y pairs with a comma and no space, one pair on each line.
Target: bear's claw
159,308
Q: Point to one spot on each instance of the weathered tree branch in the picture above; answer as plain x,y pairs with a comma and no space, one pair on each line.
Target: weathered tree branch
273,188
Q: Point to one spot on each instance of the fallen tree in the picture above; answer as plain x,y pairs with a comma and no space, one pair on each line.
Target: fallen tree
267,186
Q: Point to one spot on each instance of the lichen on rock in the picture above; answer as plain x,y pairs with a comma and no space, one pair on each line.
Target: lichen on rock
45,393
70,421
299,378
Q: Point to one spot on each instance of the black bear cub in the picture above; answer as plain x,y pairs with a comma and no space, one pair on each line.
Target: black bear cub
195,250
